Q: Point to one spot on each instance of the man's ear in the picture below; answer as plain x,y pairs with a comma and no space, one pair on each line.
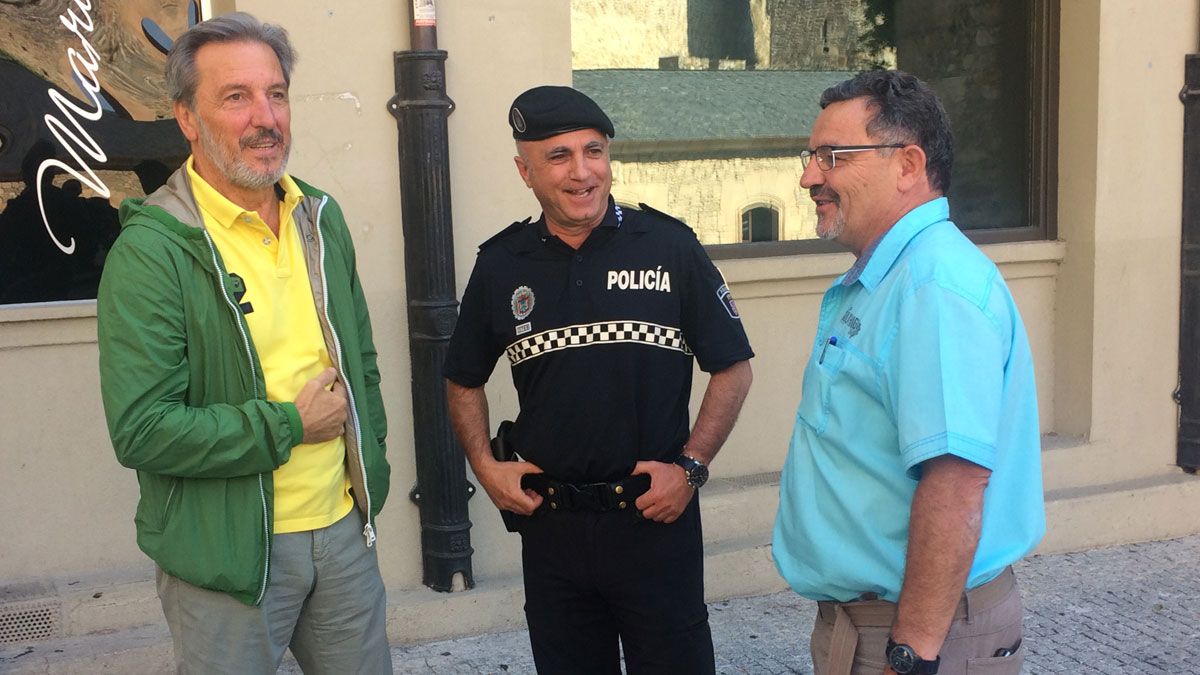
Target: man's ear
911,160
187,120
523,169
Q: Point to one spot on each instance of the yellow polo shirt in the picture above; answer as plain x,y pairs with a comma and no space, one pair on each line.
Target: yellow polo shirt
312,489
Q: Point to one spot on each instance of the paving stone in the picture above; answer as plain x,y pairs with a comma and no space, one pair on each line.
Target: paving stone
1124,610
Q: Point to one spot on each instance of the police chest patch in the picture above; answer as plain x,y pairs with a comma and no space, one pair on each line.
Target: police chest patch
522,302
727,302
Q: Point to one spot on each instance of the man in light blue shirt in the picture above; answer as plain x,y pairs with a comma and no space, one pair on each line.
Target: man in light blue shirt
913,480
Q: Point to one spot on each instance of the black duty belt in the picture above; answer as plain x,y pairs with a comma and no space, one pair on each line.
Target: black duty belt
560,496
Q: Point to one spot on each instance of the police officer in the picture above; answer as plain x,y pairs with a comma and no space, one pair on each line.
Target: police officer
600,311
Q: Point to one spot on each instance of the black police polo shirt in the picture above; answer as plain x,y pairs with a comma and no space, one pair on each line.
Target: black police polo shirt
600,339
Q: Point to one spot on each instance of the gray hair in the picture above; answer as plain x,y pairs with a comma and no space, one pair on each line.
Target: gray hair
182,78
905,110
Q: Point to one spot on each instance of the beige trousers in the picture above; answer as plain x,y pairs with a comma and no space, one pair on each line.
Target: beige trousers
849,638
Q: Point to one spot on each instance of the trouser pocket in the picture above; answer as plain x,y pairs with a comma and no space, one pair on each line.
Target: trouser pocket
997,665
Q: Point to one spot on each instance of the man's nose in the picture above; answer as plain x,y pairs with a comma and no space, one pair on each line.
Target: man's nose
578,166
262,114
812,175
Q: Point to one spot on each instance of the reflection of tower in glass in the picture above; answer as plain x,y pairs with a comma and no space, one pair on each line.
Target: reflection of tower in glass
721,30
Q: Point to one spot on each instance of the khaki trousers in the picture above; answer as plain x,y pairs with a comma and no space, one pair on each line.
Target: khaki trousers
849,638
325,601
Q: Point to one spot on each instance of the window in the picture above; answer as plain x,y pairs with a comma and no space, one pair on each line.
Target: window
77,138
714,99
760,223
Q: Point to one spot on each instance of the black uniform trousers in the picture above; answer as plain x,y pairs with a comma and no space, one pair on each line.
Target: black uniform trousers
592,578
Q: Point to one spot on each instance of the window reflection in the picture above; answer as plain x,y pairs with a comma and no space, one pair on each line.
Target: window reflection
714,99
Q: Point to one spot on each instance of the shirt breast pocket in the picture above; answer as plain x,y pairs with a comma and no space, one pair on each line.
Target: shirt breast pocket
840,372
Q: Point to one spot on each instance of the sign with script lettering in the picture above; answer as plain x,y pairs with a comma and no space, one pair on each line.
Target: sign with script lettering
85,121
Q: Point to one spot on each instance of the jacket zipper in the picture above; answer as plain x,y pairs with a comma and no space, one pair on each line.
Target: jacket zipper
369,528
262,491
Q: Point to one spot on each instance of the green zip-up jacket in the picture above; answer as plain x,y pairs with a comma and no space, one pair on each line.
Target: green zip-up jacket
184,394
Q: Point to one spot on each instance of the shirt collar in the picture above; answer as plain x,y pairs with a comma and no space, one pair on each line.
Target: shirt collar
877,260
613,217
222,211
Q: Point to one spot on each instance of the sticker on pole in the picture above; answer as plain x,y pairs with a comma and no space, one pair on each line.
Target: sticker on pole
424,13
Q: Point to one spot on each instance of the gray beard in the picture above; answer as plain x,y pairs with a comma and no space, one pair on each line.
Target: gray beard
234,169
834,229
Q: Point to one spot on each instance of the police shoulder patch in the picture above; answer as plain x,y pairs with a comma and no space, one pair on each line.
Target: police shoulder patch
511,229
672,219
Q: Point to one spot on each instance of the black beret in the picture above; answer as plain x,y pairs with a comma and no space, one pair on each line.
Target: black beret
547,111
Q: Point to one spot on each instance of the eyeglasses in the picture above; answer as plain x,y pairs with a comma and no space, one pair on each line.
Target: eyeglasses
826,155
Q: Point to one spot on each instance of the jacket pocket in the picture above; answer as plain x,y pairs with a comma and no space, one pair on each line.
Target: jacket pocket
166,512
214,536
153,501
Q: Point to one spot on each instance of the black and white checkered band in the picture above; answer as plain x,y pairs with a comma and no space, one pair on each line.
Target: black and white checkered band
592,334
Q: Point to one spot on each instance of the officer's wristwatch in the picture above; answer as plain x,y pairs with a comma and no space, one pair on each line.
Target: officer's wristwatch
697,473
904,660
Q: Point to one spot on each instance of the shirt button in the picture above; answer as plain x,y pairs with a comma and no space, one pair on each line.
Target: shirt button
245,219
266,241
579,282
578,258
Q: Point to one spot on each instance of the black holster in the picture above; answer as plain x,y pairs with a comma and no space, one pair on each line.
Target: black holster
503,451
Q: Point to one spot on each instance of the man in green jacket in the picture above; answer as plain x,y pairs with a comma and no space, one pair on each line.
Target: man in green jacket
239,380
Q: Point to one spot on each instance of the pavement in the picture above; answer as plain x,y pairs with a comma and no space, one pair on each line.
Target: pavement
1122,610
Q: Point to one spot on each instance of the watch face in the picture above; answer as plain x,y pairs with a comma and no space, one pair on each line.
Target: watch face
698,475
902,659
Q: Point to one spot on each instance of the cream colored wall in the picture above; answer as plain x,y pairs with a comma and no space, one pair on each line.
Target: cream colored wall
67,504
1120,140
646,31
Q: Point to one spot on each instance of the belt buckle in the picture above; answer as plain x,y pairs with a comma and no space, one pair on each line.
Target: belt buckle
589,497
561,495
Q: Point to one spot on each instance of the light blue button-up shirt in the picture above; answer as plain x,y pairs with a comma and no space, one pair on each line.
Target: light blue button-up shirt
919,352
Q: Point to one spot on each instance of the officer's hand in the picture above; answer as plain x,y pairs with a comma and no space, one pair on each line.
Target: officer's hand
322,411
669,492
502,481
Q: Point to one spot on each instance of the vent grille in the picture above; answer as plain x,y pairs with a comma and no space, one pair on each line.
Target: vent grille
29,621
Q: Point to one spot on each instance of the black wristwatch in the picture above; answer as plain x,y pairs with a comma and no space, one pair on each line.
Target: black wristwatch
904,660
697,473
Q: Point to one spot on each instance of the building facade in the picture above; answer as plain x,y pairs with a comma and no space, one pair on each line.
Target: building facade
1098,289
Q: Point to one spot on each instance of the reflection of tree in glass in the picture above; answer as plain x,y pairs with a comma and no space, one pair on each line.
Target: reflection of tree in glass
880,35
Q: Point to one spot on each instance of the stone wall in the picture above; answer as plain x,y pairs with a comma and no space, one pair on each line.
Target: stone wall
816,34
627,33
778,34
710,194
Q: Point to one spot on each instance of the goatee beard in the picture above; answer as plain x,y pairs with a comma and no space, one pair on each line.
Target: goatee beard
236,170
